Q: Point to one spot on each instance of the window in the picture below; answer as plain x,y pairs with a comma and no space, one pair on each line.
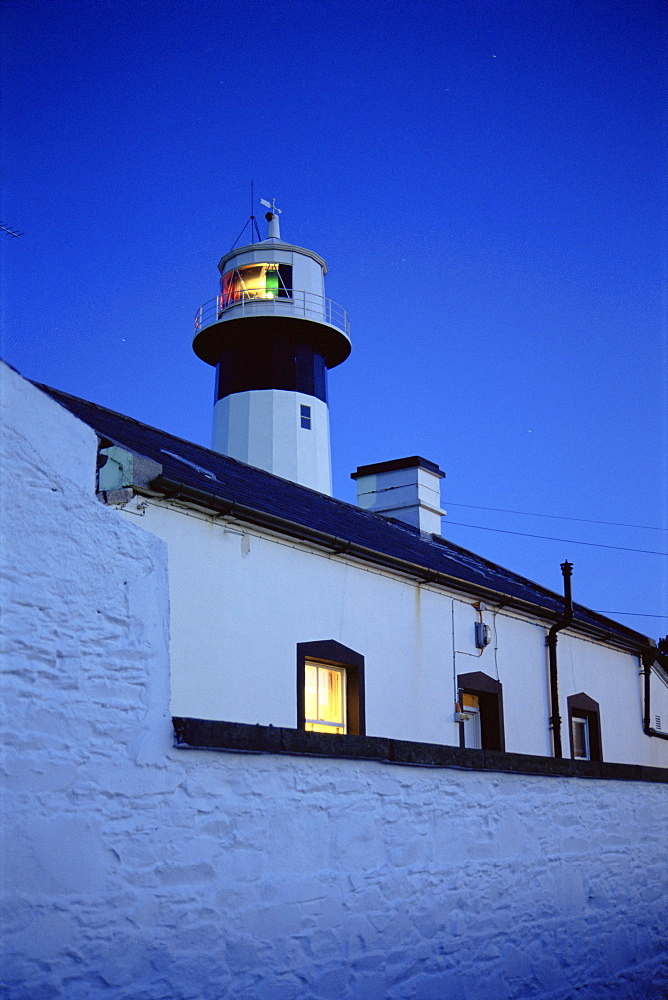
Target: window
330,688
471,707
324,698
256,281
580,733
584,725
305,416
481,699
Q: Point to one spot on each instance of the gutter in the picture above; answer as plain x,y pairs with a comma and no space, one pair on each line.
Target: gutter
564,622
171,489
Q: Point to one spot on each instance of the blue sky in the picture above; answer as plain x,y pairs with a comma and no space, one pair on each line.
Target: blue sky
487,182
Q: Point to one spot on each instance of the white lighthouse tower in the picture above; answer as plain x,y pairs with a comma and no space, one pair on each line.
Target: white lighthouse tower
272,335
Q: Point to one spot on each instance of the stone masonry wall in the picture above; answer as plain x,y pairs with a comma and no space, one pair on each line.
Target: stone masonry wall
134,870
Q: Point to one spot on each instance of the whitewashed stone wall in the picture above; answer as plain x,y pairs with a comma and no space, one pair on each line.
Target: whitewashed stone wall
137,871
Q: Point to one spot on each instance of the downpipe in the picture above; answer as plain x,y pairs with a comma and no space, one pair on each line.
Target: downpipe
564,622
649,657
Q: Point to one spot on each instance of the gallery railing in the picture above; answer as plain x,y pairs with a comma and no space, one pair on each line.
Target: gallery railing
252,302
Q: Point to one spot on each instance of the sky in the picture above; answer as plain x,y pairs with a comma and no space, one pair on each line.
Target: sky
486,180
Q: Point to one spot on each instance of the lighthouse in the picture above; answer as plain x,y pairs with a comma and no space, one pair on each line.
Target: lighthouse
272,335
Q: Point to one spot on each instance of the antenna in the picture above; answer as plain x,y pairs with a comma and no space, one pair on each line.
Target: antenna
9,230
252,221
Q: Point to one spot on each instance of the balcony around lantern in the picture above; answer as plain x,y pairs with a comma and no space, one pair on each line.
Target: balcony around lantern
253,302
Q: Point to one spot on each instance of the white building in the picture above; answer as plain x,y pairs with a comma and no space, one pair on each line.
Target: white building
264,743
269,578
289,595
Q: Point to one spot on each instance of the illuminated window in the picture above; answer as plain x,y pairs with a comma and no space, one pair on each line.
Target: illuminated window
305,416
330,688
324,698
256,281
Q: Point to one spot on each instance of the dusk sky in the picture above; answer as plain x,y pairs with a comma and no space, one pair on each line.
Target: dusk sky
486,180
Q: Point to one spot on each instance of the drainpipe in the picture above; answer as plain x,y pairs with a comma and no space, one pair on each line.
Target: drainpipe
649,656
564,622
647,661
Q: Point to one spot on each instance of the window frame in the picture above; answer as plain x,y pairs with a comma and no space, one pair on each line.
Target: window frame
581,721
338,727
489,693
305,417
329,652
581,706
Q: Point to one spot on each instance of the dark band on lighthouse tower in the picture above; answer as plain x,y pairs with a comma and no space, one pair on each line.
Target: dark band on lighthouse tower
272,335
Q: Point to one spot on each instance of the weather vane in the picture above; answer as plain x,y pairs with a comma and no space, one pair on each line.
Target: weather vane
271,205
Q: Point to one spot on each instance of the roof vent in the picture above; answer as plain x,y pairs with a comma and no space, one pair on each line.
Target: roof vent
406,488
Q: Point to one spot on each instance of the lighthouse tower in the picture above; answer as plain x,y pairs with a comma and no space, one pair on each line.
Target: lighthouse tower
272,335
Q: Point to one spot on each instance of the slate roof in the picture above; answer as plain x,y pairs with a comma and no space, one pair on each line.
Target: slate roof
198,470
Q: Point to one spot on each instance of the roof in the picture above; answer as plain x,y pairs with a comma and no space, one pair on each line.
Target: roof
192,472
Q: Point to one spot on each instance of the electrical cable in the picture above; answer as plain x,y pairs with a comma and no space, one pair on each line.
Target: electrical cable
551,538
633,614
558,517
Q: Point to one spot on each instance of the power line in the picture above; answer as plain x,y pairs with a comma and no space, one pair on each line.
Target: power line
558,517
633,614
551,538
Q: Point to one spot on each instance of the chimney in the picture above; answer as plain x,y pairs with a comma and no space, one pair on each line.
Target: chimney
407,488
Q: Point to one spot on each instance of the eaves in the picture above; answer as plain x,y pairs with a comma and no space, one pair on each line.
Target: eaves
170,489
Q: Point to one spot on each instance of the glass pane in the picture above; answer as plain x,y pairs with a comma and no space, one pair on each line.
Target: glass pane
271,281
580,738
324,698
311,691
472,731
330,704
256,281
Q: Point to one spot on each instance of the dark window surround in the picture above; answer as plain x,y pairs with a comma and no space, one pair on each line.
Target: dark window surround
582,706
331,651
239,737
490,701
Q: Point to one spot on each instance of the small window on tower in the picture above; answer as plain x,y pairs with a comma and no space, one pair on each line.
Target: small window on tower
305,416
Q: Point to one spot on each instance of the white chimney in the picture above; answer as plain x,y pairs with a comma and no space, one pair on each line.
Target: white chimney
407,488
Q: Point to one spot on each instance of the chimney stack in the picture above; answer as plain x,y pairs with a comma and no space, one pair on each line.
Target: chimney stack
407,488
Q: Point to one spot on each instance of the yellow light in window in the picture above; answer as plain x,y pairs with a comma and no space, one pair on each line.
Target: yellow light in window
324,698
252,281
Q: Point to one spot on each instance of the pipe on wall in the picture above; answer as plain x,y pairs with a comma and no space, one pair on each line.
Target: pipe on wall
649,657
564,622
